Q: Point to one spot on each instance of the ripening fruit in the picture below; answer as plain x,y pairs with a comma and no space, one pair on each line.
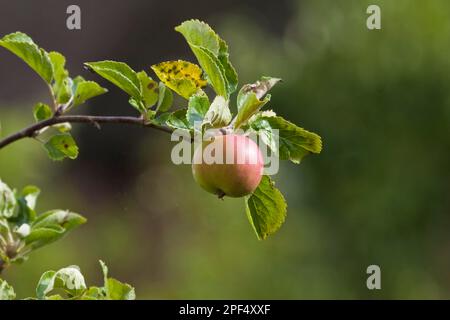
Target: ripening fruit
229,165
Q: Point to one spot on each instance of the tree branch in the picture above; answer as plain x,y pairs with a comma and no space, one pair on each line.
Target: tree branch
32,130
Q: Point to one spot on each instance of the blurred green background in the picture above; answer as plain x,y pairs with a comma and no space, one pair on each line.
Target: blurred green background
378,194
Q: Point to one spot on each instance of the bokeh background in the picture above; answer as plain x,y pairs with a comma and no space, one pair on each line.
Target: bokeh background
378,194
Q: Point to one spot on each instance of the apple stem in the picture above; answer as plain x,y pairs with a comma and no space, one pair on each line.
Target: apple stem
221,194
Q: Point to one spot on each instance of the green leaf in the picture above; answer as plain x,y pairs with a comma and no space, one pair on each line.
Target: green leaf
23,46
183,77
64,218
23,230
58,63
6,291
69,279
45,284
161,119
24,213
85,90
39,237
26,204
212,53
213,69
178,120
61,146
54,297
149,89
120,74
63,127
76,81
165,98
62,82
7,201
266,208
51,226
114,289
248,105
138,105
120,291
293,142
197,108
30,194
199,34
230,72
260,88
249,99
94,293
42,111
219,114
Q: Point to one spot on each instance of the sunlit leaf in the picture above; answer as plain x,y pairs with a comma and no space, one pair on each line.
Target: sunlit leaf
114,289
165,98
212,54
61,146
85,90
213,69
23,46
219,114
252,97
42,111
120,74
62,83
183,77
200,34
248,105
197,108
117,290
230,72
149,89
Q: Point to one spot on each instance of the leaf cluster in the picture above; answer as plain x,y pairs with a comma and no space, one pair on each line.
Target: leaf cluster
23,230
69,284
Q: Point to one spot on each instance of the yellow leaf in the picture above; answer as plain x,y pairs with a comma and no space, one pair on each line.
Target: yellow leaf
183,77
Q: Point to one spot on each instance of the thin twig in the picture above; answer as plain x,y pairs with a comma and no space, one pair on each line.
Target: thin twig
31,130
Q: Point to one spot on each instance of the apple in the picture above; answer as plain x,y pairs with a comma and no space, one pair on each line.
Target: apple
228,165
